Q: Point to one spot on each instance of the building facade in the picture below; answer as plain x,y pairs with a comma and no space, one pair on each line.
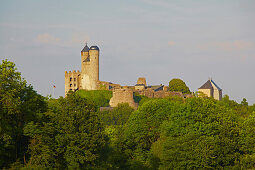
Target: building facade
210,89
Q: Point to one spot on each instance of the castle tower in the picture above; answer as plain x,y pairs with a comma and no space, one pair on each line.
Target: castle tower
89,67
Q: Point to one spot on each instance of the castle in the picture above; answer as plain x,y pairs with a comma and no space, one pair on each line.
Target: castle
89,76
88,79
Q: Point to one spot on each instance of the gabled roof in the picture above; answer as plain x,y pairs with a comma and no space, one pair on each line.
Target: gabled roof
210,84
207,85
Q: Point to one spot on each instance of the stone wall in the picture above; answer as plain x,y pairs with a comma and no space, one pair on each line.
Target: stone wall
206,92
141,80
90,70
72,81
123,95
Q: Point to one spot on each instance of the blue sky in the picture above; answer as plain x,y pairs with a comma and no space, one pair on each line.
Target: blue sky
159,40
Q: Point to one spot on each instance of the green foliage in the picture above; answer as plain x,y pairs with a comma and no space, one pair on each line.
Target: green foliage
114,121
201,134
247,142
19,104
71,138
143,128
100,98
242,109
117,116
179,86
139,98
244,102
170,133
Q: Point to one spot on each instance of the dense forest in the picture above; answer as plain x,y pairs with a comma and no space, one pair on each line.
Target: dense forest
38,132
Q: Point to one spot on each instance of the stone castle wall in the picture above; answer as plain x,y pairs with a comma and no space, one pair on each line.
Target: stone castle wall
72,81
124,95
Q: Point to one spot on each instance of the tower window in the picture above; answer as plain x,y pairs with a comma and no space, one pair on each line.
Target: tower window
74,79
74,85
70,85
70,78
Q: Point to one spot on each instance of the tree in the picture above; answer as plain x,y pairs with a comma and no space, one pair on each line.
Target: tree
179,86
118,116
19,104
142,129
100,98
247,142
70,137
201,134
244,102
114,121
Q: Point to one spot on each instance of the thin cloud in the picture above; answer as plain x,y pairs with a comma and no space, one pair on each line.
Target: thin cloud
79,39
171,43
229,45
47,39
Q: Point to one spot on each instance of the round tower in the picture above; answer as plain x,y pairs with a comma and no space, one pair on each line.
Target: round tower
94,61
90,67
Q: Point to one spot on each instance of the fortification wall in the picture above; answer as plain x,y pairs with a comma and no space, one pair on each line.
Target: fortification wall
124,95
163,94
146,92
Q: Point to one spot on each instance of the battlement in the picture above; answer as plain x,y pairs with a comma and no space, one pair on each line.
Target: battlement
72,73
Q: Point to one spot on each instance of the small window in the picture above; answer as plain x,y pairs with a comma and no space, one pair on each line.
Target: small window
74,85
74,79
70,78
70,85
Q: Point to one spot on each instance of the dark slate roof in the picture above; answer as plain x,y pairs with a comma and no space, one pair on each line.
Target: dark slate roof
94,48
159,89
207,85
85,49
140,85
215,85
156,87
87,59
210,84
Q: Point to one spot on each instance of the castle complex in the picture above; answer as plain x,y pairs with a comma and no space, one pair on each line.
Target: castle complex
88,79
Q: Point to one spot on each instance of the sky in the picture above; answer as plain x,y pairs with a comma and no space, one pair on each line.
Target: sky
156,39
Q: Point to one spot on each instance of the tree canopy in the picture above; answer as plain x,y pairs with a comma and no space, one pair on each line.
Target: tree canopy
179,86
72,137
19,104
72,133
